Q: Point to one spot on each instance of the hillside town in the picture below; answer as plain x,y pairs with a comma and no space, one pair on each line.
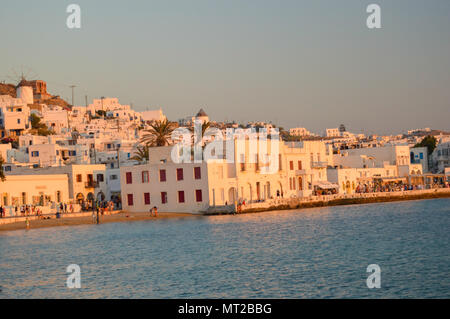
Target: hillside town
56,157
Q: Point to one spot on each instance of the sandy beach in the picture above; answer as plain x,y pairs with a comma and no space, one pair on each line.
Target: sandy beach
87,220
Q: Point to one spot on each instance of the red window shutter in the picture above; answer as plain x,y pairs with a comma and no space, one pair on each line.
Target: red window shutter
291,165
198,195
129,178
299,165
130,199
181,196
179,174
147,198
197,173
162,175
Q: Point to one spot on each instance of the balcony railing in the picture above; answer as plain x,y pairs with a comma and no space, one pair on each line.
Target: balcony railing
91,184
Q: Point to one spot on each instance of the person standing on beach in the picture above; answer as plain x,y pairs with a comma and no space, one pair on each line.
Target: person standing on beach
155,211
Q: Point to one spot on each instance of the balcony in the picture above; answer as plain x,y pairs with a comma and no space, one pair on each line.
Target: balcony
91,184
319,164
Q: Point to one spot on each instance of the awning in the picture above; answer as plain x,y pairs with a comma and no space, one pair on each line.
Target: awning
325,185
394,179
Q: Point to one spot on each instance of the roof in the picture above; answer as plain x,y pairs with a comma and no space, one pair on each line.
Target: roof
201,113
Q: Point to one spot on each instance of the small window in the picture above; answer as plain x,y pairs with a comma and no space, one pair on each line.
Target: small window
35,154
291,165
100,178
181,197
163,197
79,178
147,198
299,165
162,175
179,174
145,177
130,200
198,195
129,178
197,173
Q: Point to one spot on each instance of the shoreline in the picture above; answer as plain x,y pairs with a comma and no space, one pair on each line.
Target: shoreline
123,216
87,220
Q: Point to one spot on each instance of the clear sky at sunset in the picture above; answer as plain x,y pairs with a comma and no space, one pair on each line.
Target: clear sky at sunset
297,63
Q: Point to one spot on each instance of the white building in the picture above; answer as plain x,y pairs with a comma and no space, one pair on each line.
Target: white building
332,132
441,157
300,169
151,116
299,131
33,189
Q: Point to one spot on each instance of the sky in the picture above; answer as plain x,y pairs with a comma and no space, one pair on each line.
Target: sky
312,64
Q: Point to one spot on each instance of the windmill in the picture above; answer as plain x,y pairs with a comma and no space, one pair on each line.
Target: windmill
17,74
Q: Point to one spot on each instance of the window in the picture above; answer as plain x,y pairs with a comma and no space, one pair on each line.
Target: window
130,199
129,178
163,197
145,178
179,174
18,121
113,177
79,178
198,195
147,198
35,154
181,197
299,165
197,173
7,168
162,175
100,178
291,165
72,153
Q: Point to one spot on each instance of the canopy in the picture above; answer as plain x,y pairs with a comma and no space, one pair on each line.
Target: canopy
394,179
325,185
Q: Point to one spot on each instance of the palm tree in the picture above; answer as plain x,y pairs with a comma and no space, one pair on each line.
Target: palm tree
2,173
205,126
141,154
158,134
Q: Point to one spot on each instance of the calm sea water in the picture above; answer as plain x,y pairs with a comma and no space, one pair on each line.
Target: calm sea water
312,253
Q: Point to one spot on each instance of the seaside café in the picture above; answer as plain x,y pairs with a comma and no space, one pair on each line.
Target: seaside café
325,186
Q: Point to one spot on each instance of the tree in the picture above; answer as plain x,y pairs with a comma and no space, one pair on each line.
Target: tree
142,154
158,134
38,127
36,122
429,142
205,126
2,173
